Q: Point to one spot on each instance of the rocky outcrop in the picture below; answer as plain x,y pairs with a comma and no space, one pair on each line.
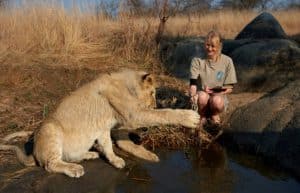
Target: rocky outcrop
269,127
265,64
178,56
264,26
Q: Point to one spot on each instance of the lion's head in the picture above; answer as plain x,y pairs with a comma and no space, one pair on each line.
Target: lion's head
147,94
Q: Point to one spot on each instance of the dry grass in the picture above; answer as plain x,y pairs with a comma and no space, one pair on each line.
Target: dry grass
289,21
228,22
46,35
178,137
51,35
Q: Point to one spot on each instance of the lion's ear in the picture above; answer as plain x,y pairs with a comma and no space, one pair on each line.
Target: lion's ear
148,79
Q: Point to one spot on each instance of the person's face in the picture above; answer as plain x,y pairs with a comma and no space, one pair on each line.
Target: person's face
212,47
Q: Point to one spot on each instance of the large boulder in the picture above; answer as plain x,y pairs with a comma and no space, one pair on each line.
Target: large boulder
266,64
177,56
264,26
270,127
265,52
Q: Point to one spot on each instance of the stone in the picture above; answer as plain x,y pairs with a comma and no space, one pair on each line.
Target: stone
264,26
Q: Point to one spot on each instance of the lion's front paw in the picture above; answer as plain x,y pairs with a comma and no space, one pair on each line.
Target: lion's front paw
191,119
152,157
118,162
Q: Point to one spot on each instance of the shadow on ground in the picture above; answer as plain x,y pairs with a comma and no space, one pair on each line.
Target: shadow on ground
99,177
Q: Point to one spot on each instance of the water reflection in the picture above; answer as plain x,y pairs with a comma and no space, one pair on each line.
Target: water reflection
205,171
189,171
183,171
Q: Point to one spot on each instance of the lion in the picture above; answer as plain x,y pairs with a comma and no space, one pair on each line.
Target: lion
85,118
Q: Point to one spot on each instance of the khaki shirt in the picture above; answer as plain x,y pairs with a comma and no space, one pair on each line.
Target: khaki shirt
213,74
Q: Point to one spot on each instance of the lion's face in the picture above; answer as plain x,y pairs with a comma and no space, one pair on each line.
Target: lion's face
147,95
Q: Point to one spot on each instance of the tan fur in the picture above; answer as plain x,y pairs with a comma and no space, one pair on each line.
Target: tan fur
86,117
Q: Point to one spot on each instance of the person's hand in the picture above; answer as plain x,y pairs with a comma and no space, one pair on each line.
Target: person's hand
193,93
228,89
194,102
194,99
207,89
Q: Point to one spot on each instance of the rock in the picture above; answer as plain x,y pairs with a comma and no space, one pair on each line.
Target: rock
266,64
178,56
265,52
264,26
270,127
230,45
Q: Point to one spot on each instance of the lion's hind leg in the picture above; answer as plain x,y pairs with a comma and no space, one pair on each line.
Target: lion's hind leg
54,162
86,156
49,150
137,150
90,155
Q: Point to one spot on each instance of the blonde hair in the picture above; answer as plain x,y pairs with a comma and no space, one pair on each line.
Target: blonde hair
215,34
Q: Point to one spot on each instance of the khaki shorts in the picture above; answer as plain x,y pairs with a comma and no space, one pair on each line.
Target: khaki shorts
226,103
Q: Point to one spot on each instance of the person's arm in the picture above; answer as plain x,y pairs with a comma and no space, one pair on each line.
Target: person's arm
227,89
194,74
193,87
193,93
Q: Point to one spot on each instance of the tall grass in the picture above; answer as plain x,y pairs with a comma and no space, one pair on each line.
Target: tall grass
228,22
52,35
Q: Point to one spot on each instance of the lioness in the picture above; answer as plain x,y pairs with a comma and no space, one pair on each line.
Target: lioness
124,99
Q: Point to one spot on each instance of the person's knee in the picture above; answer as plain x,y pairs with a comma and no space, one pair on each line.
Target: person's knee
203,98
217,103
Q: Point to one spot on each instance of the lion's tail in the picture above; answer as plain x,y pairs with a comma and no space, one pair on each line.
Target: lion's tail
27,160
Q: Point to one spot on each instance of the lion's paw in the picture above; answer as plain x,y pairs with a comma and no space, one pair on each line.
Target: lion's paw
152,157
118,162
91,155
191,119
74,170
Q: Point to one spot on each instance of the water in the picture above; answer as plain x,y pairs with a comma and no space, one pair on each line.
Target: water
190,171
211,171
